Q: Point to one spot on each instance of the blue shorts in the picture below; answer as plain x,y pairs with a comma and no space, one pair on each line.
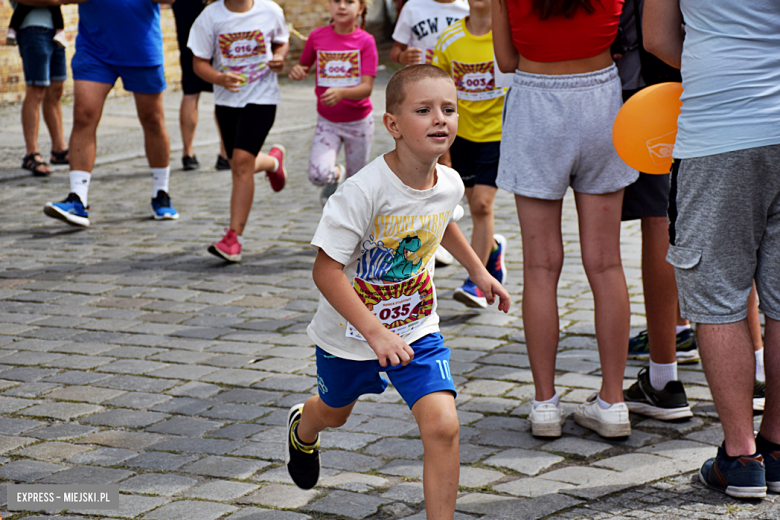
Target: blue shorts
342,381
139,80
42,59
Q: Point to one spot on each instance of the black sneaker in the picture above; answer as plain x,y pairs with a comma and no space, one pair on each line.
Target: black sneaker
190,162
222,163
665,405
303,466
740,477
687,353
771,454
759,396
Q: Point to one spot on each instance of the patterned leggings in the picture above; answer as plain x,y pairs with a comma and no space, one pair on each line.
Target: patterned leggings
357,137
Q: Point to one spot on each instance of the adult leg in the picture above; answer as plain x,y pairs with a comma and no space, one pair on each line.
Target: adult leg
540,226
52,115
89,98
481,198
770,423
188,121
33,96
660,290
599,223
152,118
317,416
437,419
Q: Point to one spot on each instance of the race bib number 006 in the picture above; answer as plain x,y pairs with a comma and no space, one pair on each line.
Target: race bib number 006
338,69
475,81
401,307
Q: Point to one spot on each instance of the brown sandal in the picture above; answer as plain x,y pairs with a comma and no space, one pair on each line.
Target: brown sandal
33,162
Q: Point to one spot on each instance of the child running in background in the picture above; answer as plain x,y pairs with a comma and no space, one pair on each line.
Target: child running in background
248,42
374,268
419,26
21,12
465,52
345,59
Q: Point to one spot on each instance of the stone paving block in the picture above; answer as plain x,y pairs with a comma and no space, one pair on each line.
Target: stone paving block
577,475
477,477
487,388
62,431
531,487
344,503
712,435
184,372
51,451
157,461
234,377
495,422
249,396
30,358
261,450
132,506
89,394
280,496
76,378
28,470
103,456
11,404
184,406
509,439
679,450
80,362
87,475
523,461
671,428
388,427
230,361
138,384
403,468
131,366
256,513
582,447
526,508
10,426
409,492
221,490
28,374
236,412
578,381
357,482
349,461
281,365
395,448
490,405
228,467
629,461
288,383
31,389
138,400
195,389
8,443
131,352
349,440
62,411
189,509
237,431
122,439
125,418
157,484
184,426
196,446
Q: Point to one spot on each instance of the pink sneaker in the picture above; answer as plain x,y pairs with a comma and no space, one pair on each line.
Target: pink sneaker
228,248
278,177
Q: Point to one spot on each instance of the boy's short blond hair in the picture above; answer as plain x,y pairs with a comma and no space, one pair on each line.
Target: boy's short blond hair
396,87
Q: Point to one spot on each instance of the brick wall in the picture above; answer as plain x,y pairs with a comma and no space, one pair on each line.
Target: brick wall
305,15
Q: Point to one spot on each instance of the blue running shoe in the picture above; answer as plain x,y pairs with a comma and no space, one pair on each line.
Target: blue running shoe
687,351
71,211
470,295
771,454
495,264
740,477
162,209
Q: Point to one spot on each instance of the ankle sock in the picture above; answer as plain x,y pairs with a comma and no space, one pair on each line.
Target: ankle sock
662,373
495,247
603,404
764,446
553,400
303,446
276,163
760,375
681,328
79,184
160,178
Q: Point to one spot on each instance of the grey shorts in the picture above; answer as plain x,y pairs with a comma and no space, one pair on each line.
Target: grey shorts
724,231
557,133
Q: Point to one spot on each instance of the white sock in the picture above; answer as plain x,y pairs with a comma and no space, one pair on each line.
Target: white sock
681,328
553,400
603,404
760,375
661,373
79,184
160,178
276,163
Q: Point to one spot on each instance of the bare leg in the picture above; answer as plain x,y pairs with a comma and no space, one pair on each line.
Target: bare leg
599,221
188,121
264,163
243,167
317,416
481,204
754,320
33,96
152,118
660,290
770,423
89,98
727,355
540,226
52,114
439,428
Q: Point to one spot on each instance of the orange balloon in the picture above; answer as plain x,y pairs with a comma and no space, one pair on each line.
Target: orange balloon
645,128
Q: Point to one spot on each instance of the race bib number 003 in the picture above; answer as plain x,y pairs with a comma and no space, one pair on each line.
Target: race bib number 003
475,81
401,307
338,68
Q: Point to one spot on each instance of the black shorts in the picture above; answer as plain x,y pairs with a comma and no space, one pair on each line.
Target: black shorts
647,197
185,12
245,128
477,163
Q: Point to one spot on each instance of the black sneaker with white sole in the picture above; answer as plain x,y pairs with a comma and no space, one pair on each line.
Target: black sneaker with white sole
665,405
303,462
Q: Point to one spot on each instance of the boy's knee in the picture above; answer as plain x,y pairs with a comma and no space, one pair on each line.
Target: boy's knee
481,208
444,430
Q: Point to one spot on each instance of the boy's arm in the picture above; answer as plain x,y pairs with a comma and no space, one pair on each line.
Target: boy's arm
279,50
335,94
203,68
454,241
330,279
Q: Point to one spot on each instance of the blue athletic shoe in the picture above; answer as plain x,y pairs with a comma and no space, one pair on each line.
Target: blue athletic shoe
162,209
71,211
469,295
771,455
741,477
495,264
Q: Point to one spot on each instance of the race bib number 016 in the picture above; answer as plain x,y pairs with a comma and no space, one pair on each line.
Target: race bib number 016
401,307
475,81
245,54
338,69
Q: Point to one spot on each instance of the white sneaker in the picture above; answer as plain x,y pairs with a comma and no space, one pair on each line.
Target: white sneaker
546,420
612,422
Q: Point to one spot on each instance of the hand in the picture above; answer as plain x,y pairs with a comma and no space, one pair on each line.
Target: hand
491,288
299,72
230,80
276,64
332,96
411,56
617,57
390,348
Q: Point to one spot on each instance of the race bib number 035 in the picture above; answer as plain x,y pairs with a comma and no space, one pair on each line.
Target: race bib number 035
475,81
401,307
338,68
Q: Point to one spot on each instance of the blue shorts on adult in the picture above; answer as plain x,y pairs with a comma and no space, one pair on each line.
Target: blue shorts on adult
342,381
43,60
139,80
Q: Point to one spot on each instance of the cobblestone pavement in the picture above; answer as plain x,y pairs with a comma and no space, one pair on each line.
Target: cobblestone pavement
129,355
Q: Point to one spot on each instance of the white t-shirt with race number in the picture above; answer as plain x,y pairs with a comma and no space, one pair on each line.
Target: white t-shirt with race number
421,22
385,234
241,43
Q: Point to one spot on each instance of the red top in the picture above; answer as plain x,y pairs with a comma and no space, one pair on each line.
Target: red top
558,38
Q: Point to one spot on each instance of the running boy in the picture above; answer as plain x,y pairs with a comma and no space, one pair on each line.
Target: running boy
465,51
376,242
419,26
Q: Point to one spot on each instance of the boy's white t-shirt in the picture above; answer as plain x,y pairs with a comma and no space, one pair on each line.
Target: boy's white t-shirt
385,234
421,22
241,43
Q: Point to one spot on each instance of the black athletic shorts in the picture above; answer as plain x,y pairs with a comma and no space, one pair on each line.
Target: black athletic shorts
245,128
185,12
477,163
